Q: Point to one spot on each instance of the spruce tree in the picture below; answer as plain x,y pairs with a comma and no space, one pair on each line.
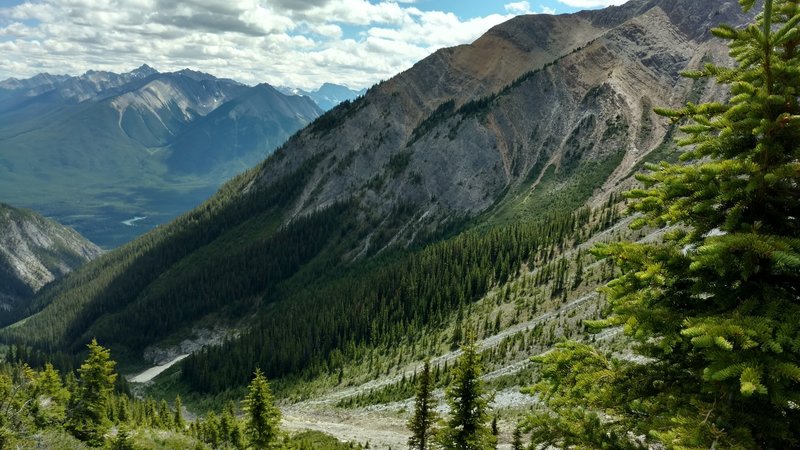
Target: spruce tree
262,416
212,434
467,428
122,441
714,306
87,413
180,422
516,440
421,424
50,398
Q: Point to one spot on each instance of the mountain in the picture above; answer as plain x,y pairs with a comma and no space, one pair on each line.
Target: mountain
35,251
41,82
461,195
62,88
327,96
240,133
96,150
538,104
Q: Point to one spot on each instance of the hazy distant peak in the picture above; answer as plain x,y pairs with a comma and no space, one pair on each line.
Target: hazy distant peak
144,71
327,96
40,79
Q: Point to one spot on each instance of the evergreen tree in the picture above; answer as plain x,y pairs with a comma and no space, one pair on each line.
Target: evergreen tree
715,306
421,424
50,398
122,441
516,440
124,415
467,428
87,414
165,415
15,386
211,430
262,416
180,422
236,437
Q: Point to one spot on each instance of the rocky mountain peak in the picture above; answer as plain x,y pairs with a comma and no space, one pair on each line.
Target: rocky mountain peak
537,93
144,71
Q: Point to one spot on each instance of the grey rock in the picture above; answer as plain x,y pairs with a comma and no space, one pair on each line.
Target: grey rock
555,89
34,251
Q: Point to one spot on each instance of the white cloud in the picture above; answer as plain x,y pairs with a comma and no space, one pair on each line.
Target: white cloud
518,8
546,10
283,42
592,3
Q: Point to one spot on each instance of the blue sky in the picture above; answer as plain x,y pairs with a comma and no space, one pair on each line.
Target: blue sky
299,43
474,8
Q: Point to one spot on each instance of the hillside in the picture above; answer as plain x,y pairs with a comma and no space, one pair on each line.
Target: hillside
141,144
240,133
462,194
35,251
535,97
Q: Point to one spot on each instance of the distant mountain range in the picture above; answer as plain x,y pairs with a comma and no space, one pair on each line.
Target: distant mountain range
33,252
327,96
99,148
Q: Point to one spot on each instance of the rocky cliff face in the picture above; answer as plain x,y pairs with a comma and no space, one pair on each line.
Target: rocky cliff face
33,252
534,97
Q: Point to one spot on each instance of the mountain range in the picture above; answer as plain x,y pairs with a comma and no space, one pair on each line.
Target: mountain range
327,96
101,148
463,193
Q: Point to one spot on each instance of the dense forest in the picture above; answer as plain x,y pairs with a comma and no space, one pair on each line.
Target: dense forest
316,329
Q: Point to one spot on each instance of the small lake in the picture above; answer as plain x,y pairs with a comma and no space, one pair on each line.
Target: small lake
132,222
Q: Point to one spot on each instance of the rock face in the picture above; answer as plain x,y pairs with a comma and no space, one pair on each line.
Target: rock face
537,95
33,252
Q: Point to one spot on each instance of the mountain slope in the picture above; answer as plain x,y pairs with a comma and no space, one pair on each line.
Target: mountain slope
240,133
320,245
101,148
33,252
570,80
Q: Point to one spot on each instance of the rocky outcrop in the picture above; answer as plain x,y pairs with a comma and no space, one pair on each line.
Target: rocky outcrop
33,252
456,132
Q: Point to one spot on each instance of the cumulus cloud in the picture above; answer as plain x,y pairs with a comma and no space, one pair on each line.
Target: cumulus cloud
518,8
283,42
591,3
299,5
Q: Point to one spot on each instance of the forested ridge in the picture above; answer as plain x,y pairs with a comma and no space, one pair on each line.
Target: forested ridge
316,329
115,281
